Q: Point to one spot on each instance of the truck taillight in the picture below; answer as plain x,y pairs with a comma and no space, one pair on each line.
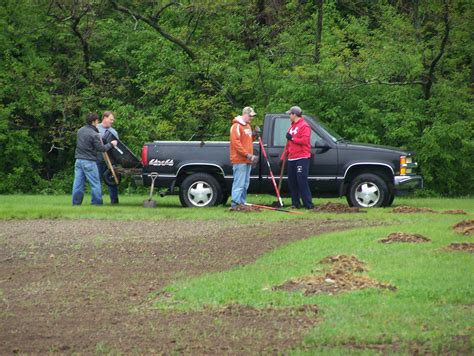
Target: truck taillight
145,155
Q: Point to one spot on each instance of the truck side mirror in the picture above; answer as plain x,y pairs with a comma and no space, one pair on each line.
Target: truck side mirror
321,144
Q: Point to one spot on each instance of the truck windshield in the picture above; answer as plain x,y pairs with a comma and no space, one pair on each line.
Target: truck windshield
331,133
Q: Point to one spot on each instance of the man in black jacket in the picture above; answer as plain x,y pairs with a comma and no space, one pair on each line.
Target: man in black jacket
88,145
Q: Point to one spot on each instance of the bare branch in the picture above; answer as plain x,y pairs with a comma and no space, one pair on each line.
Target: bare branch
154,24
434,62
73,16
54,147
319,30
379,82
156,16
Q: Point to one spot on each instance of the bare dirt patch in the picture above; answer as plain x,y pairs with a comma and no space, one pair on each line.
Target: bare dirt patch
455,212
338,277
83,285
410,209
404,237
465,227
336,208
244,209
461,246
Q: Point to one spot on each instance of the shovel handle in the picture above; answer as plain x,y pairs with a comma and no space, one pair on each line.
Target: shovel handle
282,167
110,166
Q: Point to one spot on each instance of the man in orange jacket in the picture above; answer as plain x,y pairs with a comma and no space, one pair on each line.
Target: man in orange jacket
241,155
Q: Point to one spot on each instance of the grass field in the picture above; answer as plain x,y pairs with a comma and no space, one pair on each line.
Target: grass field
431,310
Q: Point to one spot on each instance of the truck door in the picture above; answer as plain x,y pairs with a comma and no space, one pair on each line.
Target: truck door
323,165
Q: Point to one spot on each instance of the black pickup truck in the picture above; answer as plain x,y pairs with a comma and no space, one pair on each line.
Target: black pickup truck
368,175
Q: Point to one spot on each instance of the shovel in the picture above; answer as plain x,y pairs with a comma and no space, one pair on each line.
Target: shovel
270,171
277,203
150,203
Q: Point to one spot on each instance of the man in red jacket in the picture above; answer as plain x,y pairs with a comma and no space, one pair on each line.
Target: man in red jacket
299,152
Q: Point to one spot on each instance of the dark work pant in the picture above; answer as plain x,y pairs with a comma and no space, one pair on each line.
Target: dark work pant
113,190
298,181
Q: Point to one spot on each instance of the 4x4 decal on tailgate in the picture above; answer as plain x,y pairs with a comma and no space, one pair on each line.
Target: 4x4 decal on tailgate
157,162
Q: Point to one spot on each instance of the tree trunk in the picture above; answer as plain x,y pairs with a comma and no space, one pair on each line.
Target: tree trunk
430,75
319,30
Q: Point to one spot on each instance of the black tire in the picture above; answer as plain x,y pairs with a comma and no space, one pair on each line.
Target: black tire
200,190
389,200
367,190
109,178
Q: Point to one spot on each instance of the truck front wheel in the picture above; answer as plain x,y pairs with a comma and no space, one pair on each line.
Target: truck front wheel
367,191
200,190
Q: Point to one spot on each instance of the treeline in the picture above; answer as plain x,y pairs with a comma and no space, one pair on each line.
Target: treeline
393,72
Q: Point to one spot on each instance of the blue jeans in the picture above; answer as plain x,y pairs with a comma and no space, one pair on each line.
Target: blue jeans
241,183
298,181
113,189
85,169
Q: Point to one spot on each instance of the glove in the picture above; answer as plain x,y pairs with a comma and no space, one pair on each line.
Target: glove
257,132
252,158
289,137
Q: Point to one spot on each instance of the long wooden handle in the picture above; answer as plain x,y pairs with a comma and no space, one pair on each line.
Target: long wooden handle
109,165
282,167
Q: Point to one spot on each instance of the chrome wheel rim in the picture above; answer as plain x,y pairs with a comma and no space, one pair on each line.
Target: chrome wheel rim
367,194
200,193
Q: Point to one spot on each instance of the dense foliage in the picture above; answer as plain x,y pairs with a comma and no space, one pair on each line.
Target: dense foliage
395,72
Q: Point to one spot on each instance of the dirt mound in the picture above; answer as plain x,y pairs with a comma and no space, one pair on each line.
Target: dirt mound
455,212
410,209
337,278
336,208
461,246
465,227
344,263
404,237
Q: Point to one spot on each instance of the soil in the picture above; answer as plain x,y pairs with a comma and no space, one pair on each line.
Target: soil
410,209
461,246
245,209
338,277
83,286
455,212
465,227
337,208
404,237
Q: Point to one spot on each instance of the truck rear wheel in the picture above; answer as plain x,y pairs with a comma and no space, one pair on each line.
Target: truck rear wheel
367,190
200,190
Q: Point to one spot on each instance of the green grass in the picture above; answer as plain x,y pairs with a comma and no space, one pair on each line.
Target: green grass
432,306
131,208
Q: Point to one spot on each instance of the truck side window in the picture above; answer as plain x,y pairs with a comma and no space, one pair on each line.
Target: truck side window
315,138
280,128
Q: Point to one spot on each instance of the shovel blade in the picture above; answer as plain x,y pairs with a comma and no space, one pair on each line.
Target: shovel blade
149,203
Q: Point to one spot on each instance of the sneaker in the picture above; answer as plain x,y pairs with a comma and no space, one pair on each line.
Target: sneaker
295,207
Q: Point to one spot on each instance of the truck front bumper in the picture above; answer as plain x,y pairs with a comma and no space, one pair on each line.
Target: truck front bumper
406,184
